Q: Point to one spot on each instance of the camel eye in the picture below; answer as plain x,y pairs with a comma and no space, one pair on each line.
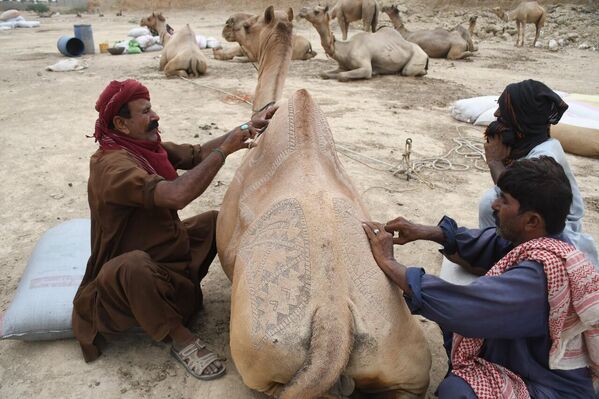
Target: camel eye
316,12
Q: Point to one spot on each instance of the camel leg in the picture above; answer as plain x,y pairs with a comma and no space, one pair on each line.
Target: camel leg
162,62
518,33
537,35
367,18
523,29
331,74
225,55
456,53
364,72
343,24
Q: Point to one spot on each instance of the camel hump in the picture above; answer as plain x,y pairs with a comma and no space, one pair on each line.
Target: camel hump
330,348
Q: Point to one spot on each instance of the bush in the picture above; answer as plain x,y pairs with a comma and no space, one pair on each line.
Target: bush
38,8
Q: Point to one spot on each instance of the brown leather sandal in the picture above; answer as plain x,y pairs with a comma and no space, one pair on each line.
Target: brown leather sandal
195,364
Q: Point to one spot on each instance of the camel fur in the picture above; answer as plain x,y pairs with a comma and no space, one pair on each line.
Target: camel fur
347,11
311,313
529,12
384,52
236,29
181,55
436,43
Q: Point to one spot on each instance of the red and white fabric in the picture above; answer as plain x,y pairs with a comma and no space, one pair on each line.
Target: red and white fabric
573,296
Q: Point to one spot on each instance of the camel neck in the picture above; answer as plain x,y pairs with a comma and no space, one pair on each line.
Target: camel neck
163,33
327,40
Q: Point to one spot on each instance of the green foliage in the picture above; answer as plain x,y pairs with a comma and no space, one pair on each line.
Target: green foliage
38,8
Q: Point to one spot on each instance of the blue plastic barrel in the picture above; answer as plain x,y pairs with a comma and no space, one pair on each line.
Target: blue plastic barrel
70,46
84,33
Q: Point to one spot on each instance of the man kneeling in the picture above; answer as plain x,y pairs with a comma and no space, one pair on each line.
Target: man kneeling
529,327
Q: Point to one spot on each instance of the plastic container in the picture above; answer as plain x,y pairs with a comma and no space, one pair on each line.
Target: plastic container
70,46
84,33
103,47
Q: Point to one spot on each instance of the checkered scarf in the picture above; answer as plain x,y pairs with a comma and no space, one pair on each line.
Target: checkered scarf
573,294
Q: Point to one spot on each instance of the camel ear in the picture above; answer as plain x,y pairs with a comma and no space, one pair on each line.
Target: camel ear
269,14
326,8
290,14
161,18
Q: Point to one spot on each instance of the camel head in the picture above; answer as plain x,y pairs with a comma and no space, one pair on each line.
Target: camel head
391,10
499,12
317,16
234,25
152,21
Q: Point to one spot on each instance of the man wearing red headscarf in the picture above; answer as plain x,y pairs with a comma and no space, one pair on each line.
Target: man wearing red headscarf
146,264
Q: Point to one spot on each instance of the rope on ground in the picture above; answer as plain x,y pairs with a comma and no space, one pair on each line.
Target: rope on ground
217,89
469,148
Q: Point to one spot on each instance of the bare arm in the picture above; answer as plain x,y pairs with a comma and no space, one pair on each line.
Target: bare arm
178,193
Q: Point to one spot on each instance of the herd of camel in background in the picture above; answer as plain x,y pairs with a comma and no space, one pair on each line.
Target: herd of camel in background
375,51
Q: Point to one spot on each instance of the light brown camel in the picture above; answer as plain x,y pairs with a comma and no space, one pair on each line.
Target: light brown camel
181,55
347,11
274,31
366,54
437,43
236,29
468,34
310,309
528,12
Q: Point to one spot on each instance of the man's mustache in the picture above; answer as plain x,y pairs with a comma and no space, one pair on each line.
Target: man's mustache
153,125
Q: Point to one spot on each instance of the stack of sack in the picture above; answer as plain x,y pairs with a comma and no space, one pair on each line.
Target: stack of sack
12,19
577,130
144,38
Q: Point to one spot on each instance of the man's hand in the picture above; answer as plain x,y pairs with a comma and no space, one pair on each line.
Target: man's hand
237,138
381,242
406,230
495,150
496,153
261,119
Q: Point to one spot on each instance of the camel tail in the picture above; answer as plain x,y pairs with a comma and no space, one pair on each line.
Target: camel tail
542,19
328,355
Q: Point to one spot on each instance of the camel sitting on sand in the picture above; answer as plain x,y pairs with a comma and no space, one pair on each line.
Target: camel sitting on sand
347,11
468,34
181,55
529,12
436,43
384,52
236,30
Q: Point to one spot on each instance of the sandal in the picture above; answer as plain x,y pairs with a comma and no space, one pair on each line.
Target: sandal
196,365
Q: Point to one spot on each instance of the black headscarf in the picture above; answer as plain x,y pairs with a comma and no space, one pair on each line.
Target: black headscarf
525,111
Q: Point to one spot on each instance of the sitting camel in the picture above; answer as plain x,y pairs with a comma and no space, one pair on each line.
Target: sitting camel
236,30
312,316
181,55
366,54
438,42
347,11
468,34
527,12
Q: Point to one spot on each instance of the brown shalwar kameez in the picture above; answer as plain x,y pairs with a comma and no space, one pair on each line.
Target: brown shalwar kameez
146,264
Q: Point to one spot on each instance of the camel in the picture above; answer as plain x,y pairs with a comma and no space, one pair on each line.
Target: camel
235,30
366,54
527,12
311,313
468,34
181,55
436,43
347,11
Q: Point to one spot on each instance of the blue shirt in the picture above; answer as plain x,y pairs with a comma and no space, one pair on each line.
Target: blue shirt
509,311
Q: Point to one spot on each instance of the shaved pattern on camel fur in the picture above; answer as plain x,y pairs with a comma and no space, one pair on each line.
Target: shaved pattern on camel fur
180,55
384,52
436,43
347,11
309,307
236,30
528,12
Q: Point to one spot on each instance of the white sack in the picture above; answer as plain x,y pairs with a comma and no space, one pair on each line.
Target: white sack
140,31
43,303
469,109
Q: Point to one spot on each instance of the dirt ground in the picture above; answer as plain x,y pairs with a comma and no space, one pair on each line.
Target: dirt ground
45,117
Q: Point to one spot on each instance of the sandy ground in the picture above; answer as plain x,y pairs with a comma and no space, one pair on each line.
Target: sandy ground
45,117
